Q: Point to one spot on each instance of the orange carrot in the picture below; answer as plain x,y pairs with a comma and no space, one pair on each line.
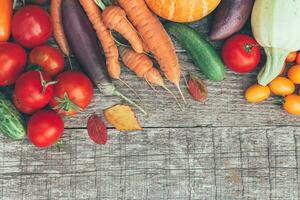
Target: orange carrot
115,18
143,67
109,46
155,37
58,31
139,63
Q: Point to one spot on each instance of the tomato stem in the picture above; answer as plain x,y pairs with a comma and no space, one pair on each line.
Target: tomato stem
59,144
248,47
66,104
44,83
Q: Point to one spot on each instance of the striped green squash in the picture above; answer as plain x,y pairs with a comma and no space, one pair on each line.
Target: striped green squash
11,122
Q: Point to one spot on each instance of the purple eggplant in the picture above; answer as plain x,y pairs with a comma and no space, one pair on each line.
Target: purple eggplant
84,45
230,17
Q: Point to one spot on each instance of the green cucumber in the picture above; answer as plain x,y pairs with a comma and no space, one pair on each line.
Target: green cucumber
202,52
11,122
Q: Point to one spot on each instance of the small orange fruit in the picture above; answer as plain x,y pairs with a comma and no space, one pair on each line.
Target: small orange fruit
294,74
292,104
257,93
282,86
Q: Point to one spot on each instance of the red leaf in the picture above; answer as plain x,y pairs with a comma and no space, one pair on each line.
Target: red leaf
97,129
197,88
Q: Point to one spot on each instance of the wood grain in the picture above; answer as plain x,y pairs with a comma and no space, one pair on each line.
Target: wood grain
158,163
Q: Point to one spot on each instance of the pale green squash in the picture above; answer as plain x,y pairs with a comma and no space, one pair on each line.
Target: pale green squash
276,27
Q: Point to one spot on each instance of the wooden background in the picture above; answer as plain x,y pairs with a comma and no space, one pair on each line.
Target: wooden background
223,149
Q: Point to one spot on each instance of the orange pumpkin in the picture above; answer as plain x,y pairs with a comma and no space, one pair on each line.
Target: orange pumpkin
183,10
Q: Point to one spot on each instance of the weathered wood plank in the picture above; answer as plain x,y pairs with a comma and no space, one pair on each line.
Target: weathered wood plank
158,163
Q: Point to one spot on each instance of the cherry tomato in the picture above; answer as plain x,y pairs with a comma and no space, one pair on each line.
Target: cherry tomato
31,26
12,62
241,53
49,58
294,74
45,128
72,93
257,93
292,104
291,57
33,91
282,86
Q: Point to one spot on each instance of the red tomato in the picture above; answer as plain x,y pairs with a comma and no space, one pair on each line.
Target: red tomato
12,62
33,91
21,107
45,128
49,58
31,26
241,53
75,91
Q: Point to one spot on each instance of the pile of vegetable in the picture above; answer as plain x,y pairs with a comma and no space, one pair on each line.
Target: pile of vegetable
270,20
283,86
43,91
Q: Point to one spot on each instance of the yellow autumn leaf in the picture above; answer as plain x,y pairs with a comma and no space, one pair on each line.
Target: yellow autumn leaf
122,118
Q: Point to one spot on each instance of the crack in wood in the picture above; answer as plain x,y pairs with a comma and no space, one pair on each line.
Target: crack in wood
2,181
121,168
167,164
147,184
215,164
241,164
269,165
297,163
125,168
197,126
85,172
189,166
22,169
75,177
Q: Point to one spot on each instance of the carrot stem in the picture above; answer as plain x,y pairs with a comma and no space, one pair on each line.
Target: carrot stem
151,85
100,4
119,94
127,85
185,81
181,94
173,95
110,89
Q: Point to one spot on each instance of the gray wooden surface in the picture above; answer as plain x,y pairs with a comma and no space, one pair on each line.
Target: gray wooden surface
224,149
